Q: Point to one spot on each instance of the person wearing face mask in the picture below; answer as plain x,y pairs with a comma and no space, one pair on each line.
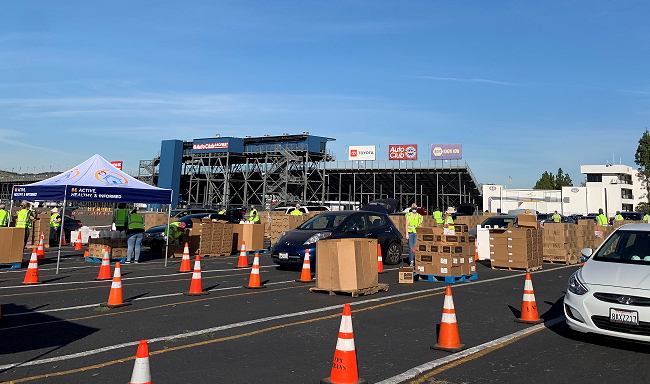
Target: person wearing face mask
413,220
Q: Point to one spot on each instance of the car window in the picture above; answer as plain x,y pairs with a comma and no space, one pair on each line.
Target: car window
324,221
357,220
375,221
626,247
498,221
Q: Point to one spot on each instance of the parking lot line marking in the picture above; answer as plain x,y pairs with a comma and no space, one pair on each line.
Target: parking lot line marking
466,355
186,335
146,308
108,281
261,320
126,278
136,299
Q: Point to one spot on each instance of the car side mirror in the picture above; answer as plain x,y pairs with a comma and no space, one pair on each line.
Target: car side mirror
586,254
352,229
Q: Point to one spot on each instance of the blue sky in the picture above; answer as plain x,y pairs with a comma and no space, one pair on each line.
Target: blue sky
524,86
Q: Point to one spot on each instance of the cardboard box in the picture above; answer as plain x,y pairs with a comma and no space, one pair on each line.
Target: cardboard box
406,275
528,221
11,243
346,264
438,270
252,234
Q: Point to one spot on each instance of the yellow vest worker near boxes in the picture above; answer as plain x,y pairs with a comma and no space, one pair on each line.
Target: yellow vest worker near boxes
4,216
646,217
134,235
174,231
413,220
296,212
120,217
556,217
222,211
438,216
254,217
25,220
55,227
618,216
449,219
601,219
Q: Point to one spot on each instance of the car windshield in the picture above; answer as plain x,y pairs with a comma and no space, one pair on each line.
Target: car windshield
324,221
498,221
630,247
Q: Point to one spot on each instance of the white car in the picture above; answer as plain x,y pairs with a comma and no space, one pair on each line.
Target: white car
610,294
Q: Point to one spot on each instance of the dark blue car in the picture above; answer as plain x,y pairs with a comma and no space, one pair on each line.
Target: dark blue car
291,246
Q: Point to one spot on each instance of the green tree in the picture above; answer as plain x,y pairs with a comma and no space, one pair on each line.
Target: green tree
642,159
551,181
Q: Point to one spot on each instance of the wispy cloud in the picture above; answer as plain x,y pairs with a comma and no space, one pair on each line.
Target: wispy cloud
465,80
635,92
5,137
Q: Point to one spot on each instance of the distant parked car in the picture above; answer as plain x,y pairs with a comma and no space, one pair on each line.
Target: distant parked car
178,213
303,209
154,237
565,220
292,245
636,216
501,221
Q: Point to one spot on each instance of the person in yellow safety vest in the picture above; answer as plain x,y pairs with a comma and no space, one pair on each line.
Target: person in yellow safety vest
55,226
134,235
556,217
601,219
646,217
254,217
297,211
618,216
120,217
222,211
449,219
4,216
25,219
438,216
413,220
174,231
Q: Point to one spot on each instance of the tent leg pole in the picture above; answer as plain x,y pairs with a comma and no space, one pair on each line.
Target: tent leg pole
62,233
11,208
169,214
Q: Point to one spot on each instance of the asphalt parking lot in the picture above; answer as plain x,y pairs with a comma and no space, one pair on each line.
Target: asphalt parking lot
55,332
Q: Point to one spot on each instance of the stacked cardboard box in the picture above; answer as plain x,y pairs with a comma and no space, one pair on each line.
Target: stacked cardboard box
444,255
154,219
346,264
11,243
585,233
601,233
252,234
620,223
284,223
116,247
216,238
519,248
400,222
470,221
41,224
562,242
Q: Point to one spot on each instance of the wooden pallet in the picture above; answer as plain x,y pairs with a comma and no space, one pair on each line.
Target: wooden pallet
446,279
355,292
564,262
10,265
93,259
517,269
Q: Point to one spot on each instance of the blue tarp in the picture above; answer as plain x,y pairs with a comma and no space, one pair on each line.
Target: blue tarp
93,180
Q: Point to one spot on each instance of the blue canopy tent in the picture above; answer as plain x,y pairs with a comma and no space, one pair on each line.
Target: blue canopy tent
93,180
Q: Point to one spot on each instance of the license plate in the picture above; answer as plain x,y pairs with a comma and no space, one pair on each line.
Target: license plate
623,317
283,256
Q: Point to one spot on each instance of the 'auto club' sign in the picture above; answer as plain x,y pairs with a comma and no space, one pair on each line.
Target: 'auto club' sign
207,146
403,152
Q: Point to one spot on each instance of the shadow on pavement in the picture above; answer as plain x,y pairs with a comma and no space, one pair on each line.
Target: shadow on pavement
53,335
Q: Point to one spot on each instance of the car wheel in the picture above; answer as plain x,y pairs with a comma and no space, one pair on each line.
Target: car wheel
394,254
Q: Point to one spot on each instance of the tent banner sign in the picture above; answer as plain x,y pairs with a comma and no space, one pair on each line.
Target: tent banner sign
446,151
403,152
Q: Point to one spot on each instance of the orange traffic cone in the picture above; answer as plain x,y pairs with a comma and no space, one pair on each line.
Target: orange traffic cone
380,260
85,253
448,338
63,240
77,245
31,277
40,252
105,269
115,299
528,306
345,369
141,372
186,265
243,259
305,276
254,281
475,250
196,288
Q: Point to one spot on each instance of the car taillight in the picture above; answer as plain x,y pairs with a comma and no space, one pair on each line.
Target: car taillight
79,224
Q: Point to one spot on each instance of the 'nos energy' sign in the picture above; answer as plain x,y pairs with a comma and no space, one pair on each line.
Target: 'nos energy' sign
446,151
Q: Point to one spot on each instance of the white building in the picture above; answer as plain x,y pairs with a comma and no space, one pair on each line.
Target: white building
611,187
